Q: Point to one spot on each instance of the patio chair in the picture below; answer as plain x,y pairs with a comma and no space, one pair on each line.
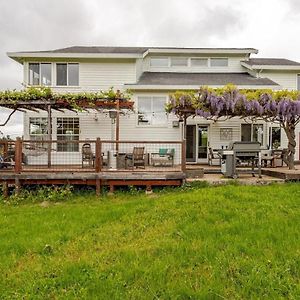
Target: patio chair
88,157
214,158
164,157
137,158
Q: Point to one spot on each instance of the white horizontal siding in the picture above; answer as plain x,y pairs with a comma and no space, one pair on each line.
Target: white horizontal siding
286,79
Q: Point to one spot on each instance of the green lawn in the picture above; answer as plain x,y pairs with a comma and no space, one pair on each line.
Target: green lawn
229,242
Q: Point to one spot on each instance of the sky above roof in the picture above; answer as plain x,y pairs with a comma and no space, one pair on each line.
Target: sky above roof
271,26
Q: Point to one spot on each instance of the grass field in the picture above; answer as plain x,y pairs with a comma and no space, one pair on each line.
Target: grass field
229,242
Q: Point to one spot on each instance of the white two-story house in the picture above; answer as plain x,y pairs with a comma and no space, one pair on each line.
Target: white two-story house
151,74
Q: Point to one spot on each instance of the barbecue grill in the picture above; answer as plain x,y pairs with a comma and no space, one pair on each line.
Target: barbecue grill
241,157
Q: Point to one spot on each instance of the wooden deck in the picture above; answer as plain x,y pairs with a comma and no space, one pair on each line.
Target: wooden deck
283,173
111,179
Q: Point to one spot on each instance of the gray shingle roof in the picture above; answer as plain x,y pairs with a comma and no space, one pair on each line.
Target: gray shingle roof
170,78
140,50
95,49
271,61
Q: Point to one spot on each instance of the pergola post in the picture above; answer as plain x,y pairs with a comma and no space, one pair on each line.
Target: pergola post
49,129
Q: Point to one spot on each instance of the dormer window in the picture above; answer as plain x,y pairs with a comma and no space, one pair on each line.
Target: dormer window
159,62
40,73
219,62
179,62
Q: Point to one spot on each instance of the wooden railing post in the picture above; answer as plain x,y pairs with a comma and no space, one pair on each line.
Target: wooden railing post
183,155
18,155
98,158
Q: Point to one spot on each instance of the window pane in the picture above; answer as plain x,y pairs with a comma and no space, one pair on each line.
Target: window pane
179,62
159,62
38,126
246,132
144,110
199,62
73,70
61,74
298,82
219,62
159,116
68,130
258,133
275,137
46,74
34,74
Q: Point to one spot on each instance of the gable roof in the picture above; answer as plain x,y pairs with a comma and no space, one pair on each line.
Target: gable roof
161,79
270,63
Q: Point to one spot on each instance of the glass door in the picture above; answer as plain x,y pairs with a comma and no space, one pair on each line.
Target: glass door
202,143
191,143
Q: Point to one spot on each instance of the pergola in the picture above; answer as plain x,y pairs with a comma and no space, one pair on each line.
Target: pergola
79,102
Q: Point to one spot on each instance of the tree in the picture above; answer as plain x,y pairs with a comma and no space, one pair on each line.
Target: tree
272,106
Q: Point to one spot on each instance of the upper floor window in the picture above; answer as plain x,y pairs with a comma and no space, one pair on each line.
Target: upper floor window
40,73
199,62
219,62
159,62
298,82
179,62
151,111
67,74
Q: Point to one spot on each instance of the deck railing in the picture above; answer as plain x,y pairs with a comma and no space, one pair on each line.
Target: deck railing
92,156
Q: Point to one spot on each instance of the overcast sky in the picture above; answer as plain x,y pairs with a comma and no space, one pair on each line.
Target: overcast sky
272,26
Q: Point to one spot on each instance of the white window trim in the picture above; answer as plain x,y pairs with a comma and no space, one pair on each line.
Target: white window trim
137,114
37,134
40,79
67,63
210,66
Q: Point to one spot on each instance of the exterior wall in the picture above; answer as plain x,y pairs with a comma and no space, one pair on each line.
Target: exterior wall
95,75
287,79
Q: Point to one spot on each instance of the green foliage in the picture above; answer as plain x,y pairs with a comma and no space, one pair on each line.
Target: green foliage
44,193
227,242
45,93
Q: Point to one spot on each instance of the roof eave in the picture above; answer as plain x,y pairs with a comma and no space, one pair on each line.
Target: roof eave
19,56
139,87
270,67
203,51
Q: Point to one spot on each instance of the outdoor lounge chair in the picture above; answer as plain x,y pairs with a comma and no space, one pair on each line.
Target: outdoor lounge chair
88,157
164,157
214,158
137,158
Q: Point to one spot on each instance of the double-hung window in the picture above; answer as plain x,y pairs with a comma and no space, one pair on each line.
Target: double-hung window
40,74
38,128
67,74
151,111
67,130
